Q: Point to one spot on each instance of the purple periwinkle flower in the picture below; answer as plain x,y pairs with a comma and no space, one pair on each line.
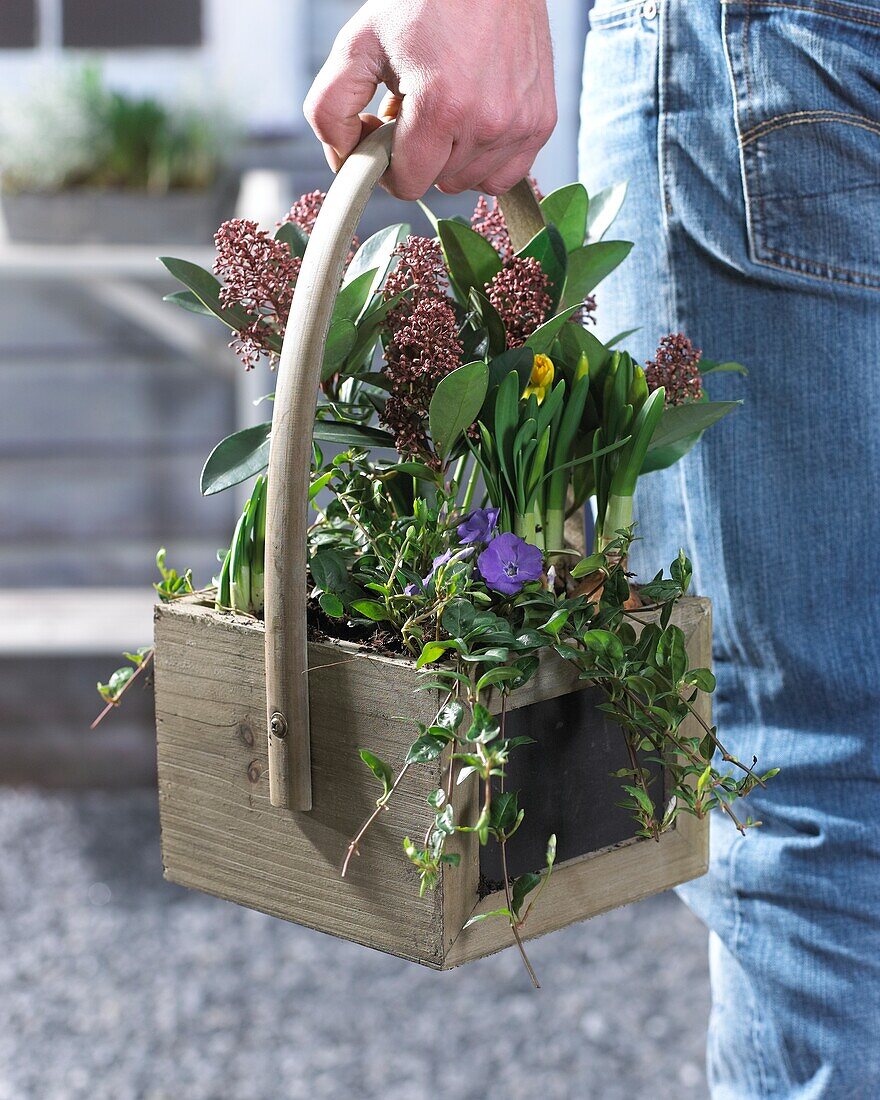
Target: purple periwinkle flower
479,525
508,562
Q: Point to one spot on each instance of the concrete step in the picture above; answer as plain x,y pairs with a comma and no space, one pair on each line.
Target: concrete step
114,561
55,644
55,404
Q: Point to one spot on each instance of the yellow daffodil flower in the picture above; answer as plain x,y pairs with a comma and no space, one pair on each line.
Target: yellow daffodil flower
541,379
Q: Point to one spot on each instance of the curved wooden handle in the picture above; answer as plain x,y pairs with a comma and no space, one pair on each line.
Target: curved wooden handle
293,417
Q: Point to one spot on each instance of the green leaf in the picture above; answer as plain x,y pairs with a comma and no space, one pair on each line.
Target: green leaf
711,366
379,768
236,458
632,460
490,320
458,618
331,605
376,254
353,296
320,483
485,916
505,810
471,260
567,210
542,338
701,678
501,675
520,360
188,301
619,337
575,340
588,266
672,652
484,725
589,565
456,403
371,609
329,570
351,435
680,429
603,643
432,651
522,887
548,248
641,797
341,339
556,621
451,715
411,469
207,289
294,236
604,208
425,749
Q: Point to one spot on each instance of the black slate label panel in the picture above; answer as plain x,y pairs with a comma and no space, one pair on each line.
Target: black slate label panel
564,784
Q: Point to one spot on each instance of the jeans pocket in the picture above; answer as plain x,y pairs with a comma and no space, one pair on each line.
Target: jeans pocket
805,84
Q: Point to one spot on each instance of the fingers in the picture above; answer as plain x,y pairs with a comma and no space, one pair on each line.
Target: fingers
342,89
422,146
503,151
506,175
468,176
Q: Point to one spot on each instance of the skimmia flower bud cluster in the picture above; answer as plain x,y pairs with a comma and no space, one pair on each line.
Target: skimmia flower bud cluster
520,297
422,345
675,367
258,272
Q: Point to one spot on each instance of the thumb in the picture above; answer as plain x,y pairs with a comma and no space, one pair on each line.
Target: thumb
342,89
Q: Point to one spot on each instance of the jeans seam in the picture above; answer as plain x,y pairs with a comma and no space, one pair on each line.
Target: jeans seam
809,271
801,118
616,17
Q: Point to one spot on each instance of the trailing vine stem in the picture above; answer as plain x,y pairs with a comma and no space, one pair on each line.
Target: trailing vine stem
515,925
381,805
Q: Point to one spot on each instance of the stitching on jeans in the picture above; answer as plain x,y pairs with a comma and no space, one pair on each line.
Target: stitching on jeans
862,277
808,274
845,14
797,118
613,15
756,207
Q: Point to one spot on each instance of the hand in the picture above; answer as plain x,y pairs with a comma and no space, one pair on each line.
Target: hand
470,82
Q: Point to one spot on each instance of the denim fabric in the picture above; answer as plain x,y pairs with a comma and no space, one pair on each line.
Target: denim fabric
750,134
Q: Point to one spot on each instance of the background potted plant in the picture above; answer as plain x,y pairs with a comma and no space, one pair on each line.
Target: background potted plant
81,163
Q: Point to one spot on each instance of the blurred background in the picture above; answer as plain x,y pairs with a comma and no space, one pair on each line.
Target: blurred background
129,129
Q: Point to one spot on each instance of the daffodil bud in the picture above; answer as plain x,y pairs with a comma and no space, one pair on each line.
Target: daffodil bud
541,378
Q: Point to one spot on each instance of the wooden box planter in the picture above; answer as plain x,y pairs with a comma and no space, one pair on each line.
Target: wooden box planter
221,834
260,783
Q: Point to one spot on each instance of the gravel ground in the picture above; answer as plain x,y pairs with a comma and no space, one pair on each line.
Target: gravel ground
117,985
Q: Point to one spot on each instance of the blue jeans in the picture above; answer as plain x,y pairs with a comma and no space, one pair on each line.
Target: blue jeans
750,136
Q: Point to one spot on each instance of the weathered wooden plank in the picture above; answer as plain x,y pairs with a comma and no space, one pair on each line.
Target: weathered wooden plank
628,872
220,834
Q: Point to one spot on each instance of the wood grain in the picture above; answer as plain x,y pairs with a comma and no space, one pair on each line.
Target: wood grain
221,834
299,375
